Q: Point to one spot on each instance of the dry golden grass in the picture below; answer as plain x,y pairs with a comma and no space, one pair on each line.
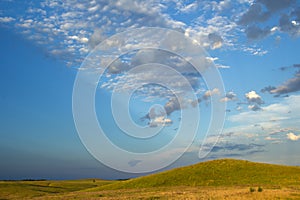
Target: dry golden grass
184,193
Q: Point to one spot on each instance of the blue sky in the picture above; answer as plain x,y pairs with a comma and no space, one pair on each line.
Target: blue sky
253,44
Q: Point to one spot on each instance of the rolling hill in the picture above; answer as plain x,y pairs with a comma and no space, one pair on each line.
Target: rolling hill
215,179
224,172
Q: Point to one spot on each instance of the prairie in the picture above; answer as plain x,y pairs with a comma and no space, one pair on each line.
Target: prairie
218,179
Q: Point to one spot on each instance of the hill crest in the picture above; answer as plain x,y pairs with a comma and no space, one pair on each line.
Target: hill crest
222,172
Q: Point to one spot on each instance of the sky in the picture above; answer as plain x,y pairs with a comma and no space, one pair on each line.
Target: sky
119,89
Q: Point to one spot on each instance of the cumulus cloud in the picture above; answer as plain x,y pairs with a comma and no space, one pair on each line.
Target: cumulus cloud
216,40
172,105
254,100
292,136
230,96
158,116
253,97
118,66
209,93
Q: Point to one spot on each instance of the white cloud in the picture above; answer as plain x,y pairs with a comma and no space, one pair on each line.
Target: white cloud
97,37
253,97
93,9
254,50
37,10
220,6
6,19
212,59
230,96
160,121
220,66
216,32
210,93
254,107
274,119
269,138
189,8
216,40
93,21
254,101
67,26
79,39
292,136
239,108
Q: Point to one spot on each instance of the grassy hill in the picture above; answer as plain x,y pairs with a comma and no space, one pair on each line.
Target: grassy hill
212,179
225,172
30,189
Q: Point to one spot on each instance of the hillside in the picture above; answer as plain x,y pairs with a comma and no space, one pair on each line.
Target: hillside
209,180
30,189
225,172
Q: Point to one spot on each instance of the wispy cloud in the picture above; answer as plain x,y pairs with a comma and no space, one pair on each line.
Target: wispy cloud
160,121
274,119
291,85
6,19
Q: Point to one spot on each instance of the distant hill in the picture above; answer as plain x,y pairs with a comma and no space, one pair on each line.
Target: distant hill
224,172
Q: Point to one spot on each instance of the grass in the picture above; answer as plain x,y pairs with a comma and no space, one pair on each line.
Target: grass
30,189
216,179
225,172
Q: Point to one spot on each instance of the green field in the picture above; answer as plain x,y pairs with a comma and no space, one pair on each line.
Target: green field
218,179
